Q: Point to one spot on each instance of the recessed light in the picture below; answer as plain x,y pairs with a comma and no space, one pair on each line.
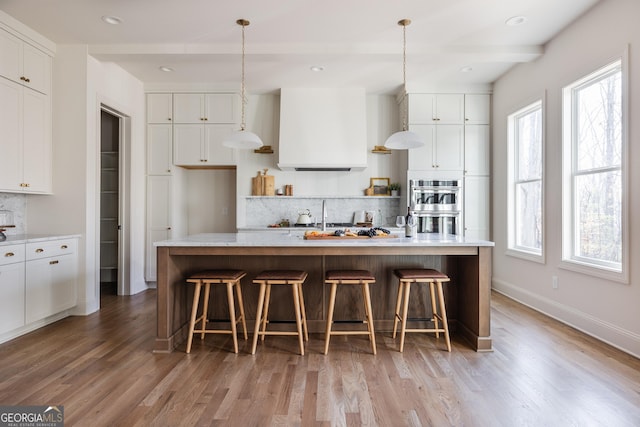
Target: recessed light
466,69
317,68
113,20
165,69
516,20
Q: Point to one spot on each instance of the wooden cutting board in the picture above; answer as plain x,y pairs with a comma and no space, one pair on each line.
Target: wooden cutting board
329,237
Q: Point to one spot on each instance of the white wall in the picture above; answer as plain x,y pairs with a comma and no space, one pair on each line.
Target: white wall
605,309
80,85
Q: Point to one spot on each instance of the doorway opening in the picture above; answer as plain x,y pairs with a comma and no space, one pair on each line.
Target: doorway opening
110,131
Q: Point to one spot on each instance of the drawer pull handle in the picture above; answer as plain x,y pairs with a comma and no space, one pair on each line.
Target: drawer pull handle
53,262
9,254
64,247
39,250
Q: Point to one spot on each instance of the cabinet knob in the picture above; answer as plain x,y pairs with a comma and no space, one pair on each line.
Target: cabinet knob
64,247
168,170
466,119
168,228
168,119
202,119
53,262
39,250
9,254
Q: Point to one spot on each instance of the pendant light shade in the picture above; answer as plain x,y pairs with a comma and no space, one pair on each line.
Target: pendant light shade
404,139
243,139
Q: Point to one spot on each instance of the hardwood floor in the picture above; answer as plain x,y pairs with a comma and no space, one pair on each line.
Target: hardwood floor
101,368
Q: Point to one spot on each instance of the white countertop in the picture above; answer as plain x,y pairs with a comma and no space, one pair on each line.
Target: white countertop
289,238
31,238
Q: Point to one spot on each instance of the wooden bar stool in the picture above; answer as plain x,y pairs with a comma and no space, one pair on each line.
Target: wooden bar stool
230,278
421,275
350,277
266,279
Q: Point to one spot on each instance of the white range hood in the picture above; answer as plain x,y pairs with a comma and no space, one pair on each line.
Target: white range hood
323,129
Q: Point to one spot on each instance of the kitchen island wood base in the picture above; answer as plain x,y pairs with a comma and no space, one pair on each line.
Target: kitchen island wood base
467,295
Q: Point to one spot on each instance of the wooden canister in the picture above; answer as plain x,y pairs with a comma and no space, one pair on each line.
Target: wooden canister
257,185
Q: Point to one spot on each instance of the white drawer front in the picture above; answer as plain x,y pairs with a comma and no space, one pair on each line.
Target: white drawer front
38,250
11,254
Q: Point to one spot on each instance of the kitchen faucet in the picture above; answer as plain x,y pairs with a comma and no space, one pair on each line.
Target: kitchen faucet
324,215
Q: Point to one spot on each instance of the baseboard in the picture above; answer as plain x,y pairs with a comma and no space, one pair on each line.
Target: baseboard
620,338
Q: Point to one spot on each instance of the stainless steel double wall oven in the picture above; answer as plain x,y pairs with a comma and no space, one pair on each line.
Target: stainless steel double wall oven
437,204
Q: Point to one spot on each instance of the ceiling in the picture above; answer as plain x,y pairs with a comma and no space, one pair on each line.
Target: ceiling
358,42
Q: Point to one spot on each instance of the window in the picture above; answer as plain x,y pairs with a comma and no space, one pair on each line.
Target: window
525,182
593,144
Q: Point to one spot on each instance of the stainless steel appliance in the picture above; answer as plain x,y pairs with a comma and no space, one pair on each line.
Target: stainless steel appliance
437,204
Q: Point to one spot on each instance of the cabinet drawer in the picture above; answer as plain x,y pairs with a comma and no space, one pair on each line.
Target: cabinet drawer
38,250
11,254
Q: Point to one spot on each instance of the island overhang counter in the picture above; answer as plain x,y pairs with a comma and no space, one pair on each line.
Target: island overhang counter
466,261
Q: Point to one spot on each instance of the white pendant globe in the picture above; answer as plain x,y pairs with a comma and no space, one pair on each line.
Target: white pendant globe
403,140
243,139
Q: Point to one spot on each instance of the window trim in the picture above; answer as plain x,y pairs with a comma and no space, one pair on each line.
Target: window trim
569,261
512,249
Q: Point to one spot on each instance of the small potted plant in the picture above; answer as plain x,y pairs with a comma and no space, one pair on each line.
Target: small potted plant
395,189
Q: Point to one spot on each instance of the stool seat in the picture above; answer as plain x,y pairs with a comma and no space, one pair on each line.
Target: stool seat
281,275
266,279
343,275
350,277
434,279
220,275
420,273
229,277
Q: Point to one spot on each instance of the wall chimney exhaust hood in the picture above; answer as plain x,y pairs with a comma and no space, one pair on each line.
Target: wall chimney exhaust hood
323,129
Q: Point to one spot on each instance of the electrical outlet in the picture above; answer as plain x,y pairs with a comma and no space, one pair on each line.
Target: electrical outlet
554,282
225,211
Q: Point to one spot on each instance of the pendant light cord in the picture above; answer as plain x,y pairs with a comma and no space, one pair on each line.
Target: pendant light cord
242,93
404,23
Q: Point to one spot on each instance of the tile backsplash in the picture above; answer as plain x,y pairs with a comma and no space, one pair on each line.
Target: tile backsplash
262,211
17,204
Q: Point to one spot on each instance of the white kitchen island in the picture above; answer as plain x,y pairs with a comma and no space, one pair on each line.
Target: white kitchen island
467,262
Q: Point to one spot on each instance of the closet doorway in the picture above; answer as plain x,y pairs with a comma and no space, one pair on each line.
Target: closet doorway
110,202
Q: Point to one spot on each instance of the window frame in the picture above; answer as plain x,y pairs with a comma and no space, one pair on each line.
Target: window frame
570,260
513,147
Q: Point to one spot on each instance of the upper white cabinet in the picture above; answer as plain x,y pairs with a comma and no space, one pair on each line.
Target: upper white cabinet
25,139
202,145
443,149
436,108
159,149
477,109
476,150
24,63
25,116
205,108
159,108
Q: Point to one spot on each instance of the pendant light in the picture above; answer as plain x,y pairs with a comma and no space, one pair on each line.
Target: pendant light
243,138
404,139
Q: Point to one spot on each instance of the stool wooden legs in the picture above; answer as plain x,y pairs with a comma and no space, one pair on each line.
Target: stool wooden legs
206,282
366,296
438,308
260,329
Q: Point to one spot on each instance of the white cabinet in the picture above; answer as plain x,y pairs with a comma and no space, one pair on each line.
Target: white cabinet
159,108
25,139
158,218
477,207
11,287
477,109
201,145
24,64
50,281
443,149
476,150
192,108
159,149
436,108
